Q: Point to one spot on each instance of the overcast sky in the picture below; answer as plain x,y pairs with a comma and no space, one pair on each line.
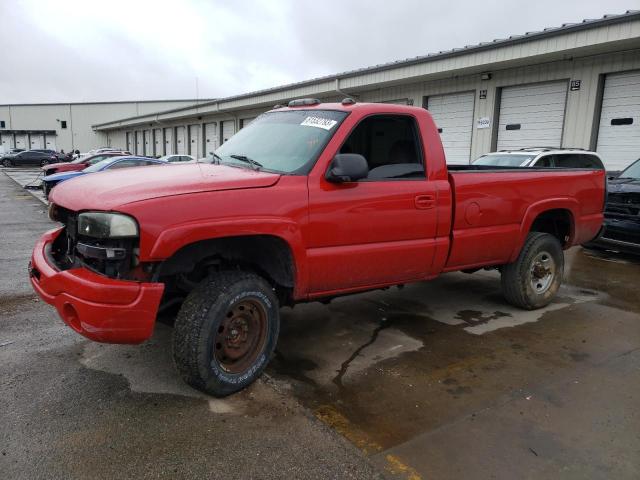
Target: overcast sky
83,50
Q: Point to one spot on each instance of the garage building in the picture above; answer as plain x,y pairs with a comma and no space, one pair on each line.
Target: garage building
67,126
573,86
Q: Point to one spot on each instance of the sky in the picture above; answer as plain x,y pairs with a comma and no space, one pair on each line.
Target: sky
85,50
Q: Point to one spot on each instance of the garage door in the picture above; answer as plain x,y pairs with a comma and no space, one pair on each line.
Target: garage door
244,122
130,142
619,131
180,140
6,142
210,137
228,129
139,144
194,141
50,142
147,142
21,141
453,115
37,140
169,148
532,115
158,144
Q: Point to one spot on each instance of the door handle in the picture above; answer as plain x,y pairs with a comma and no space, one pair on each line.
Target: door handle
423,202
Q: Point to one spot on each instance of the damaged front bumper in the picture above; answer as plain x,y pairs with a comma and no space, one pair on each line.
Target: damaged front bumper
100,308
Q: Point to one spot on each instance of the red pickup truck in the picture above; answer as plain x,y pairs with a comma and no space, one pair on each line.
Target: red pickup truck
309,202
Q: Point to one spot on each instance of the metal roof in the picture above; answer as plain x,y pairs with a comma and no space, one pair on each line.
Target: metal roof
585,24
106,102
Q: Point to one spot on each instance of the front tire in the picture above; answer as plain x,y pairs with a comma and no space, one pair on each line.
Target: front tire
225,332
44,163
7,163
533,280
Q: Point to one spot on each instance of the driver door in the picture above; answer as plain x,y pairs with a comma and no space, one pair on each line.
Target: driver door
381,229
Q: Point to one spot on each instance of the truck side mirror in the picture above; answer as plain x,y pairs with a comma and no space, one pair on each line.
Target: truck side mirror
347,167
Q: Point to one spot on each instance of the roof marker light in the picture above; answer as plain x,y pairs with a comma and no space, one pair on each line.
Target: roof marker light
300,102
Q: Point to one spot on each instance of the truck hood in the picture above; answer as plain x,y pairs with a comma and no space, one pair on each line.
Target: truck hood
110,189
624,185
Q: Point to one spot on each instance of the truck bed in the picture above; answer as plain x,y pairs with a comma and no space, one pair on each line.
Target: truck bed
494,208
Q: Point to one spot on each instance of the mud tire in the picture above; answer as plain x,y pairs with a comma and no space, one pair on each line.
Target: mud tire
518,285
202,317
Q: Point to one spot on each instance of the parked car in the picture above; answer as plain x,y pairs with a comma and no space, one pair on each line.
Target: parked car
79,163
113,163
542,157
26,158
621,226
312,202
46,150
177,158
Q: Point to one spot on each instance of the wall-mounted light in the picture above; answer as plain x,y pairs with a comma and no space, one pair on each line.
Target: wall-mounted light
485,76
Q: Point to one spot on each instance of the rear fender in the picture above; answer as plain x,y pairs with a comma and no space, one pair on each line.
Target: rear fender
534,210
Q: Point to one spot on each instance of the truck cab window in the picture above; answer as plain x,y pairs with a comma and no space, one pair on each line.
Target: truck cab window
390,145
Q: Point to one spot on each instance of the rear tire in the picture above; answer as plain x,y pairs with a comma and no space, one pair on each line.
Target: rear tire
225,332
533,280
44,163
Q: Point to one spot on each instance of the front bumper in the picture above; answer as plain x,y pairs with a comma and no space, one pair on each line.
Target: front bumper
620,235
100,308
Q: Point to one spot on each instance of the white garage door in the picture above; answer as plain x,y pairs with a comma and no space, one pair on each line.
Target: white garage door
21,141
50,142
147,142
619,132
130,142
244,122
210,137
139,144
158,144
6,142
37,140
169,148
194,141
453,115
228,129
532,115
180,140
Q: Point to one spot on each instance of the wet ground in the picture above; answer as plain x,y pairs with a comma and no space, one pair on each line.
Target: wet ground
438,380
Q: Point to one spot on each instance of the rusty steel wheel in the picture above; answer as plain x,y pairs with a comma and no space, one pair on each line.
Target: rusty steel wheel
226,331
241,336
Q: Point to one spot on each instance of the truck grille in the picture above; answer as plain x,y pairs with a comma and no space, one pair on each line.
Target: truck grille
623,205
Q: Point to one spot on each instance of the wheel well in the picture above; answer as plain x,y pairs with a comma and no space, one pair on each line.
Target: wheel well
267,255
557,222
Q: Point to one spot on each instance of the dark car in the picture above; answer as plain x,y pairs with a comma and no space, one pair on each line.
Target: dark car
46,150
30,157
621,227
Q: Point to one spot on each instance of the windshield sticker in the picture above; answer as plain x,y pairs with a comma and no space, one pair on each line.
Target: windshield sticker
324,123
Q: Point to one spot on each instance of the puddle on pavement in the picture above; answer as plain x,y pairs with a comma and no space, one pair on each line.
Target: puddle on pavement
385,366
149,369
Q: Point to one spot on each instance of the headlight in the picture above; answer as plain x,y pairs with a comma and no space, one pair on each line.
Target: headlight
106,225
54,214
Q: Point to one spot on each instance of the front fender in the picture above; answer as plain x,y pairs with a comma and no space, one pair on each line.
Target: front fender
176,237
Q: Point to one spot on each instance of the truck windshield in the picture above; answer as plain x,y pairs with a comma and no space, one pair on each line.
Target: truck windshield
502,160
282,142
632,171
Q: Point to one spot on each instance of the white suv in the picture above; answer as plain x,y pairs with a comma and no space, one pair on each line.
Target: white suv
542,157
